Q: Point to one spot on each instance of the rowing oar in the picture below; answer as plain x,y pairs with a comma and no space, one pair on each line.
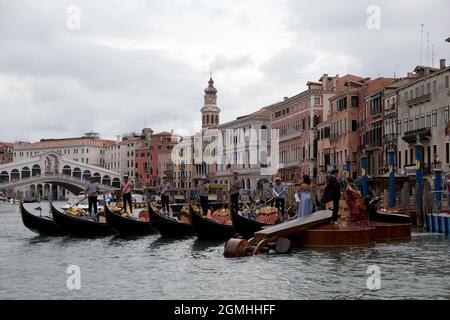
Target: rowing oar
77,203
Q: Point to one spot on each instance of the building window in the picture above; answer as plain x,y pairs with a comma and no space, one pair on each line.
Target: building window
428,87
428,124
434,86
447,152
317,101
446,82
399,159
399,126
434,124
354,125
422,120
355,101
446,117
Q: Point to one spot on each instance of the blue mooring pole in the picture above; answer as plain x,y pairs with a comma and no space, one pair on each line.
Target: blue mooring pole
364,175
391,154
438,186
347,169
419,179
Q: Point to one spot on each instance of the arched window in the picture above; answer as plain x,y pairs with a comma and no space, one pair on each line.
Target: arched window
86,175
36,170
97,177
25,172
106,180
77,173
116,183
15,175
67,170
4,177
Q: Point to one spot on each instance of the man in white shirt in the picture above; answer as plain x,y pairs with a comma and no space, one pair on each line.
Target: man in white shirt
235,187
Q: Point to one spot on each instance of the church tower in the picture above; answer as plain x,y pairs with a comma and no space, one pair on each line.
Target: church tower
210,111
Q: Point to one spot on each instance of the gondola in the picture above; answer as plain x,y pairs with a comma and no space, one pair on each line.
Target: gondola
41,225
167,226
128,226
79,226
375,215
208,229
244,226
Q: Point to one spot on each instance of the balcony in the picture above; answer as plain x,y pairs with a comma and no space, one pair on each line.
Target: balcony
411,136
419,100
390,137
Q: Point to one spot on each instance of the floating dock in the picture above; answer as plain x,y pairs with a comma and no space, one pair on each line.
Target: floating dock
318,231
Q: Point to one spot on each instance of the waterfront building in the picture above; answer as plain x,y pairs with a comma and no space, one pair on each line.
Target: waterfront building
391,125
89,149
6,152
120,156
371,123
298,119
338,136
239,138
423,110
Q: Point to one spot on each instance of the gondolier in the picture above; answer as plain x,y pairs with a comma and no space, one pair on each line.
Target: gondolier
203,191
92,191
279,191
235,187
164,191
126,188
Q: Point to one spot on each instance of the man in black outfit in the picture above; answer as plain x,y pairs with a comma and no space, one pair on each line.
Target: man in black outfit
334,189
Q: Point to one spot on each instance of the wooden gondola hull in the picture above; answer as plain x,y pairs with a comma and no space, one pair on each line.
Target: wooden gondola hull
124,225
168,227
244,226
40,225
209,230
80,227
390,218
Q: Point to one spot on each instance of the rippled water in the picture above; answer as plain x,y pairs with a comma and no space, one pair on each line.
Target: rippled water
150,267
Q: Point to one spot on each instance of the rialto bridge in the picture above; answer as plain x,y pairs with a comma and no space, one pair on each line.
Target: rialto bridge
50,174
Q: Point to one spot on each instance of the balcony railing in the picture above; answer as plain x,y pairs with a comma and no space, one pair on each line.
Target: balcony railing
411,136
418,100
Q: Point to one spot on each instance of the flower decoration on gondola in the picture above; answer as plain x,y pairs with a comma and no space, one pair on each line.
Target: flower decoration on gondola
267,215
222,216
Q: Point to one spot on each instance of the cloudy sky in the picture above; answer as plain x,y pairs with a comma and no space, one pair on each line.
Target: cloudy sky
135,63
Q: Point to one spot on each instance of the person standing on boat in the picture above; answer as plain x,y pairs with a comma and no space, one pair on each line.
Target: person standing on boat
355,203
126,189
269,198
305,207
164,192
235,188
333,191
203,191
92,191
279,191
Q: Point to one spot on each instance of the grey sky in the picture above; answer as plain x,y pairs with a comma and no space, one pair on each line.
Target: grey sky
135,63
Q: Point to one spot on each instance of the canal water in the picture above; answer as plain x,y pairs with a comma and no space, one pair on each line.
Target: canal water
150,267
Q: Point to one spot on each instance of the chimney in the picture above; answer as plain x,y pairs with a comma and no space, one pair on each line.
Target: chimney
442,63
334,83
285,98
410,75
324,81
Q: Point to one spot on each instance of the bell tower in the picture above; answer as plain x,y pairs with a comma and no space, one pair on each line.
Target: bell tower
210,111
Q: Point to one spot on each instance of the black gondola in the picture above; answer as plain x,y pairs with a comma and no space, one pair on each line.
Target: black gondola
244,226
375,215
208,229
41,225
79,226
167,226
124,225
